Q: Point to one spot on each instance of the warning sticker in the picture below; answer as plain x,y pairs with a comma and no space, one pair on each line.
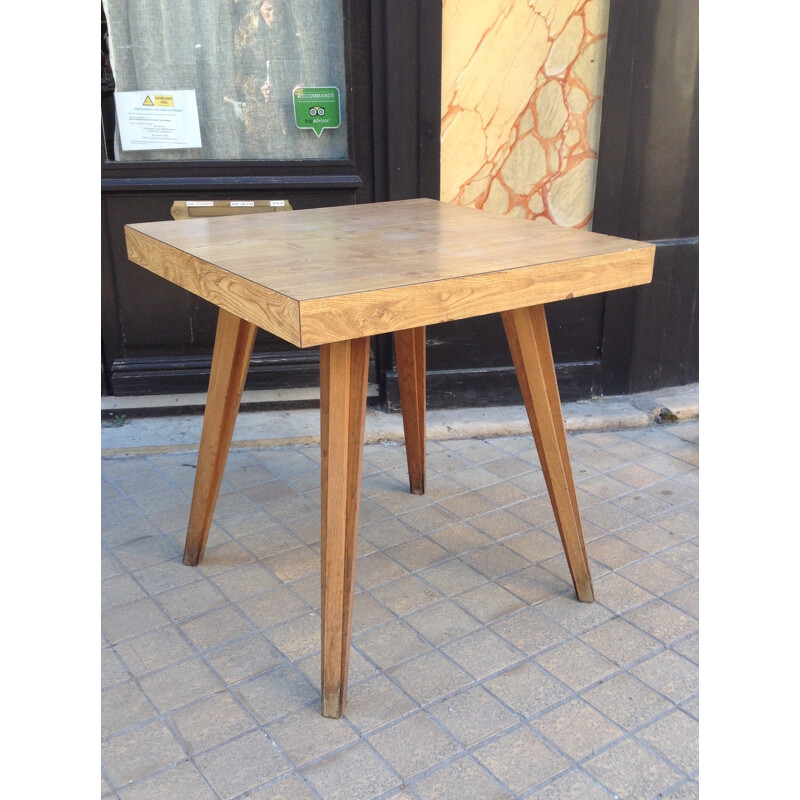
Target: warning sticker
150,120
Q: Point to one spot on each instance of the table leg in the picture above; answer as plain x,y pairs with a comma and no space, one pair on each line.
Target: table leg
526,330
343,399
409,348
232,349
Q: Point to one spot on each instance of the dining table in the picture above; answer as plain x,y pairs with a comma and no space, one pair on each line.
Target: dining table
333,278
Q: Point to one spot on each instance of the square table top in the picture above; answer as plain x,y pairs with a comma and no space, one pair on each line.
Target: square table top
328,274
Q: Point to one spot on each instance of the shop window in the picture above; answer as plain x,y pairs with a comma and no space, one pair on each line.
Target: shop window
223,80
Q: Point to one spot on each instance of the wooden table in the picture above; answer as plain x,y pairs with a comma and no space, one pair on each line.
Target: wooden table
333,277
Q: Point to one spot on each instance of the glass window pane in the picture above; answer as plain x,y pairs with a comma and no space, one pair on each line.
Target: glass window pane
241,59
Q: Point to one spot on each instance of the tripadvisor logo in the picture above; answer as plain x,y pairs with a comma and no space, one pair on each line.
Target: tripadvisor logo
317,108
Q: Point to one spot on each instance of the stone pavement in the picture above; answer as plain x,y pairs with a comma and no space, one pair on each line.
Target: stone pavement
475,673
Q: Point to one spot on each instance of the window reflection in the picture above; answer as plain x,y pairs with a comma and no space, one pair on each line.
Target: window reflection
242,58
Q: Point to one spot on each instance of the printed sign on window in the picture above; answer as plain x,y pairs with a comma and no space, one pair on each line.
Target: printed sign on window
158,120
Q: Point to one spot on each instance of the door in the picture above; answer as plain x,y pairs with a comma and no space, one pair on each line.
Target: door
237,103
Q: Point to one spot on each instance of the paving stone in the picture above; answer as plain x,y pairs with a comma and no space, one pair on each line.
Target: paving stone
306,735
216,628
123,706
275,693
390,644
441,622
488,602
179,684
474,670
654,575
243,659
626,700
291,788
414,745
429,677
452,576
134,754
662,620
576,729
676,737
669,673
632,772
460,779
112,670
613,552
375,703
245,581
461,539
574,785
575,664
520,759
473,715
526,689
242,764
529,631
482,653
273,607
356,773
620,641
618,593
152,651
298,638
133,619
181,782
210,722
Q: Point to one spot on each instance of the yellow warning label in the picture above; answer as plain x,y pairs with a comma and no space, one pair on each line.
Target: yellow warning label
147,101
165,100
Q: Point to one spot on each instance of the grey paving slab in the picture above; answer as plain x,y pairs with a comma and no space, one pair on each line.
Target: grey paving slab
474,669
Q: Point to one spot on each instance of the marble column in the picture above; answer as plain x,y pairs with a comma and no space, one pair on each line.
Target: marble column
521,99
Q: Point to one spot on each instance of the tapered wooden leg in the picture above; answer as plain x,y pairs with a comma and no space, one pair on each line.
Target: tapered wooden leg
343,400
526,330
233,347
409,347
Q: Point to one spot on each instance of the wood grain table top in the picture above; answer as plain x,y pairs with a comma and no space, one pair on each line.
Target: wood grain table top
330,274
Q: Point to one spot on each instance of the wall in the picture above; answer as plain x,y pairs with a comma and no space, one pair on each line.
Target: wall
521,105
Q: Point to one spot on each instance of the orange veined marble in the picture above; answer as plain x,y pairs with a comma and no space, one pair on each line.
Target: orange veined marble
521,100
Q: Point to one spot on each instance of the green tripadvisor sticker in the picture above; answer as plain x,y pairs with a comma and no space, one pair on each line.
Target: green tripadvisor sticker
317,108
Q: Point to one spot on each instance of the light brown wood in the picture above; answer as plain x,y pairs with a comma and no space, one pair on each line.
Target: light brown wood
233,347
409,348
187,209
382,310
529,341
259,305
343,400
330,274
335,276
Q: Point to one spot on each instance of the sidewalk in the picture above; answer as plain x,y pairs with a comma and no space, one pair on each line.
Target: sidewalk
301,426
475,673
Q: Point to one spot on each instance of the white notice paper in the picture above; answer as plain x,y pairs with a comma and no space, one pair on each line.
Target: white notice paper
158,120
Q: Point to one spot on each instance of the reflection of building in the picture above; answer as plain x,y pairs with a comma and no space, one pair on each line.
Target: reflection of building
268,65
520,108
